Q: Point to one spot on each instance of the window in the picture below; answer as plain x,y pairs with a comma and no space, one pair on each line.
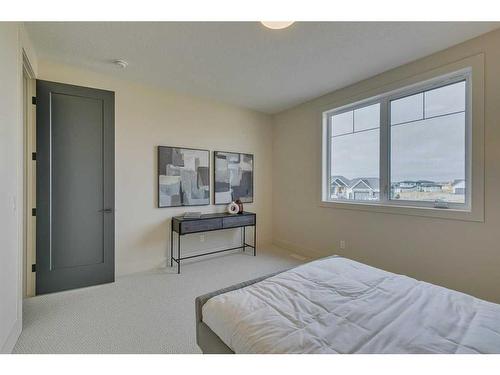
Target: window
407,147
354,166
428,145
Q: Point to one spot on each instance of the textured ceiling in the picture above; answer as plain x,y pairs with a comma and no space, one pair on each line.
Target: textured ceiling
243,63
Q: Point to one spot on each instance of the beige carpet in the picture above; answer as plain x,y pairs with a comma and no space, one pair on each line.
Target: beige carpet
149,312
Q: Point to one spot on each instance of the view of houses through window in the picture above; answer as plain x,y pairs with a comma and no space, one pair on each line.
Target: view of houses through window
426,150
357,189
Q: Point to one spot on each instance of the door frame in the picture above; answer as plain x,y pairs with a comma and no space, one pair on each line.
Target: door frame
29,176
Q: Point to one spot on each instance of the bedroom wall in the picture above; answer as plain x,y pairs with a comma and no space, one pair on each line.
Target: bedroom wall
456,254
146,117
13,40
10,323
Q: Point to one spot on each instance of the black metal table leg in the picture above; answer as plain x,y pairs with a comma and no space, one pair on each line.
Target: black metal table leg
255,239
171,242
244,244
178,253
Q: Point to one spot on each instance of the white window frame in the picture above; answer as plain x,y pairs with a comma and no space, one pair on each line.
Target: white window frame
473,208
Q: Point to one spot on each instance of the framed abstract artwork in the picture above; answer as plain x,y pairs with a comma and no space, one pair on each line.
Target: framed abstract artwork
233,177
183,177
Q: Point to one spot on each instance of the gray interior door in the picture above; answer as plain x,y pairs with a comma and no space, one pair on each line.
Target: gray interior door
75,187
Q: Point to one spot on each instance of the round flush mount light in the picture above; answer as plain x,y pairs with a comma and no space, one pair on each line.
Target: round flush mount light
277,25
120,63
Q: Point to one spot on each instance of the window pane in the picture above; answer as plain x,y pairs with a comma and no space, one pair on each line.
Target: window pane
445,100
409,108
428,160
355,166
342,123
367,117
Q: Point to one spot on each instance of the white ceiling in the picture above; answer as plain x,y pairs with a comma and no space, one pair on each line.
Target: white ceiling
243,63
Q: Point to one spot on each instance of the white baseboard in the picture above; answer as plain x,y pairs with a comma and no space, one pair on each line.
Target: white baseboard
8,346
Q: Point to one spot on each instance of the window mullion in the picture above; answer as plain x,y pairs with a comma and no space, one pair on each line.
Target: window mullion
384,151
328,145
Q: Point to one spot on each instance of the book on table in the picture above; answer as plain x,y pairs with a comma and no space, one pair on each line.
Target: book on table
192,215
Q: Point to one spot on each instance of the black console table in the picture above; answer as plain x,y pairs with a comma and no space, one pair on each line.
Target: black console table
208,223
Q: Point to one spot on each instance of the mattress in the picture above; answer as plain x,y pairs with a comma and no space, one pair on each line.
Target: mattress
336,305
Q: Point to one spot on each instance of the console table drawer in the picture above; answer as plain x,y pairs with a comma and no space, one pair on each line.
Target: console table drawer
238,221
200,225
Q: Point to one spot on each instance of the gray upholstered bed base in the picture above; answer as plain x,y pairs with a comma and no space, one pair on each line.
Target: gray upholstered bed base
206,339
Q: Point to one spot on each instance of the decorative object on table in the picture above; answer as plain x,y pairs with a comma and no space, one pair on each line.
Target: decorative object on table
233,208
183,177
240,205
233,176
191,215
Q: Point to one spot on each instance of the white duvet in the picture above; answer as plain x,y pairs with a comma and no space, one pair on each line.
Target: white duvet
336,305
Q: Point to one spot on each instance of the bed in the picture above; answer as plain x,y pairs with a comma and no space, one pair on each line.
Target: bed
337,305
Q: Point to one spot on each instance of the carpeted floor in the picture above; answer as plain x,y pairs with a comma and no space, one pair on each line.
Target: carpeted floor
149,312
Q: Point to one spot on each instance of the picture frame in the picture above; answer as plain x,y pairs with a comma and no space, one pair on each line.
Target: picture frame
233,177
183,177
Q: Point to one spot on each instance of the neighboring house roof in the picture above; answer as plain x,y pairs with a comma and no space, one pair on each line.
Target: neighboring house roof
341,181
369,182
458,182
430,184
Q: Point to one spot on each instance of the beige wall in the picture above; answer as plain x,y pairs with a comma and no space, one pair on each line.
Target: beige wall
147,117
13,41
456,254
10,323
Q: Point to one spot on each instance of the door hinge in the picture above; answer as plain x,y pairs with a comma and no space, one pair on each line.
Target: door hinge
33,100
33,212
33,268
33,156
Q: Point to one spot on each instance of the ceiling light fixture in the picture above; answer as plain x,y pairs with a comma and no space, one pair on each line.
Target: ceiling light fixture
121,63
277,25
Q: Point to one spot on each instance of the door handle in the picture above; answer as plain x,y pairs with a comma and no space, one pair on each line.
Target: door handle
106,210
